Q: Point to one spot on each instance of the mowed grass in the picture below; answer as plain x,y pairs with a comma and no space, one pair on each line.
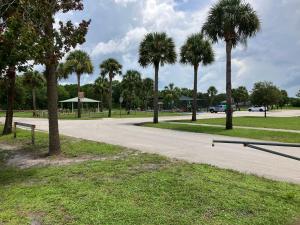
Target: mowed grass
289,123
276,136
136,189
100,115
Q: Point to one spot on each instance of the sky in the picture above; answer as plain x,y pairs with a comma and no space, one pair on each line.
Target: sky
118,26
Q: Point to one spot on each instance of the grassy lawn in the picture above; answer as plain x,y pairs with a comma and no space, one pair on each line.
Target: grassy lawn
289,123
243,133
135,189
100,115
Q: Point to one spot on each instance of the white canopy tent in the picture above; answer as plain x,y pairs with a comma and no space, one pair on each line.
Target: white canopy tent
82,100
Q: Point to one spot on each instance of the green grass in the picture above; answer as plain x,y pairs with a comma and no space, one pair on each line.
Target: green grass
243,133
100,115
289,123
136,189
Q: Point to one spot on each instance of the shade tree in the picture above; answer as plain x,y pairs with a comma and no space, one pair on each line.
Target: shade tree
240,95
265,94
54,39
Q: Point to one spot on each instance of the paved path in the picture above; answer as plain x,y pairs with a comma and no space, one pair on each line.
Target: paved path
192,147
241,127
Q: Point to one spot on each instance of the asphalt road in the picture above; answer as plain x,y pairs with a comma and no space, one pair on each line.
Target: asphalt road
192,147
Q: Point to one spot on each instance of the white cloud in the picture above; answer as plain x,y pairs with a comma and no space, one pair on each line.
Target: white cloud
124,2
272,55
130,40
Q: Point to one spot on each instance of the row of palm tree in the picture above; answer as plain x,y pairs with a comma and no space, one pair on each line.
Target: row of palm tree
79,62
232,21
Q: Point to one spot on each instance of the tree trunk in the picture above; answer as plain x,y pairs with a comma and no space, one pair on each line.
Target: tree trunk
110,96
11,79
79,100
195,105
101,106
54,142
265,111
228,86
155,102
33,102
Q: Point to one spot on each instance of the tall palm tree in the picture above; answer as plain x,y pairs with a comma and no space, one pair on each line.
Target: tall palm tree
102,88
233,21
112,68
33,80
196,50
78,62
156,49
131,86
212,92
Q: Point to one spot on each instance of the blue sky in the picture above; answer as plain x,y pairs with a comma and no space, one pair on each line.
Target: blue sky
118,26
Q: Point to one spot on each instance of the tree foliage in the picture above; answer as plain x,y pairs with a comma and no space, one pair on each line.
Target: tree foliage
240,95
196,50
265,94
131,88
111,68
78,62
231,20
157,49
212,92
33,79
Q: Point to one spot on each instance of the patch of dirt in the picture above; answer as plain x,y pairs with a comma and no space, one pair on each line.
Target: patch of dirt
7,147
24,159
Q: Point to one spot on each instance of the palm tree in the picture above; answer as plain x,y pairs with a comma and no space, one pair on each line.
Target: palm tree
80,63
196,50
170,95
233,21
61,72
102,87
110,67
147,91
212,92
33,80
131,86
156,49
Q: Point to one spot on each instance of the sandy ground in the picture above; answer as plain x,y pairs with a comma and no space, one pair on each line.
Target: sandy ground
192,147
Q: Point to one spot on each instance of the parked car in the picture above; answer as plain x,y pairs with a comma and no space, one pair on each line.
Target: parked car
257,109
220,108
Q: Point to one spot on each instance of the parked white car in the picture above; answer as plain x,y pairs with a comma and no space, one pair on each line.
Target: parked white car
257,109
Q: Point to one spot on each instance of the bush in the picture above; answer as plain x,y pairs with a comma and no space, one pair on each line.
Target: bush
295,102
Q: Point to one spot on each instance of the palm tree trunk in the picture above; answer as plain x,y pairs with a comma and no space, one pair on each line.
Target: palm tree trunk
228,86
155,102
79,100
195,107
11,74
54,141
110,96
34,102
